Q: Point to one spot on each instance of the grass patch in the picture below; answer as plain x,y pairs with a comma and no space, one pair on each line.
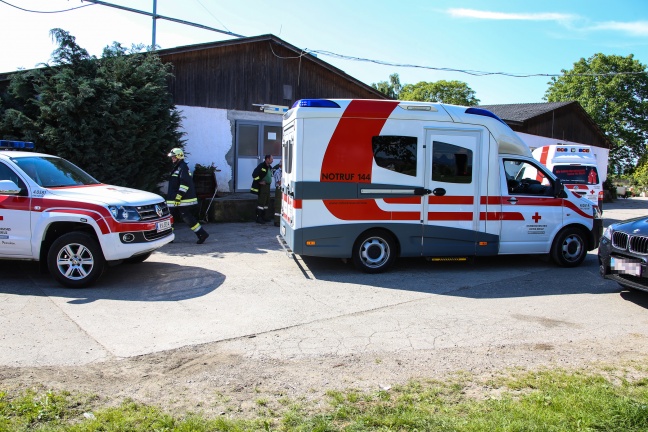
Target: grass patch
551,400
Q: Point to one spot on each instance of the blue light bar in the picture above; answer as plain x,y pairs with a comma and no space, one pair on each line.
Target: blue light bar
483,112
316,103
6,144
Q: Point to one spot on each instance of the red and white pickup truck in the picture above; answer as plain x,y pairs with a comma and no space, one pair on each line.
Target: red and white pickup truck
53,212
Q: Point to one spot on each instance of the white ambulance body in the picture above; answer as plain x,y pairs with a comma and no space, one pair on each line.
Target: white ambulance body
372,180
576,166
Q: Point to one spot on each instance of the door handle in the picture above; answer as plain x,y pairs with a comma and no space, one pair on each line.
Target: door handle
513,200
439,192
422,191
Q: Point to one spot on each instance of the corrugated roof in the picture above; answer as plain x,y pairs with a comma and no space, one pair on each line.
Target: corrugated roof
524,111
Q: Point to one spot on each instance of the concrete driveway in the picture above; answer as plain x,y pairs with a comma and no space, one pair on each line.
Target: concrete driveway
242,290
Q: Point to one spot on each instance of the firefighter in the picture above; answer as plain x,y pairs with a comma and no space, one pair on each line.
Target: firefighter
261,180
182,194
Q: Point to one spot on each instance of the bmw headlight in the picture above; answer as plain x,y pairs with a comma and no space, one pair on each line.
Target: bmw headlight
608,232
124,213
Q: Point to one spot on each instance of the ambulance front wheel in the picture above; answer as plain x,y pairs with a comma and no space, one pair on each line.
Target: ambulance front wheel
75,260
374,251
569,248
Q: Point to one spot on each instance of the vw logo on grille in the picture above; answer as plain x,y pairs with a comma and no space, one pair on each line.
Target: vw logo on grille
158,210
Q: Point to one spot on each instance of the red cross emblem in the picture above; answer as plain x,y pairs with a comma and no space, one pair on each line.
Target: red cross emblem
536,217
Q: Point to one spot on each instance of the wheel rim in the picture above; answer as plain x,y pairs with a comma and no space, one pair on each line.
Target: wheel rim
572,248
75,261
374,252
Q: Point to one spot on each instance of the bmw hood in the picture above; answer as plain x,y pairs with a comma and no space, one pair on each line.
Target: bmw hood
636,226
103,194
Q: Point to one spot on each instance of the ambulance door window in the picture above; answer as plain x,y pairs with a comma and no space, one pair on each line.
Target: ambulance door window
15,229
523,178
451,163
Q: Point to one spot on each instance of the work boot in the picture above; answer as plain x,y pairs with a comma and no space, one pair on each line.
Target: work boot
265,216
202,236
259,216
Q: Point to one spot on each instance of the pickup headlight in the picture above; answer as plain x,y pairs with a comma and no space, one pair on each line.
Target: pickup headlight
124,213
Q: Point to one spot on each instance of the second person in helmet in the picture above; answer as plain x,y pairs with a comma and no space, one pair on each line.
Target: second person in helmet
182,193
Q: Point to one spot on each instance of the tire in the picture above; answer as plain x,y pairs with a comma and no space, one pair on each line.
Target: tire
374,251
138,259
75,260
569,248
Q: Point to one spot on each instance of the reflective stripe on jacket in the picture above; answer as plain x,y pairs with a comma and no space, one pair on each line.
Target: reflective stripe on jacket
181,186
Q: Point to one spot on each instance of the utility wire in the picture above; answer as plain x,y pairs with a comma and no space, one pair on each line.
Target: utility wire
44,12
466,71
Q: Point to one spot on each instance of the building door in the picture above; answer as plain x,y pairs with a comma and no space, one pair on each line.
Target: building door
254,140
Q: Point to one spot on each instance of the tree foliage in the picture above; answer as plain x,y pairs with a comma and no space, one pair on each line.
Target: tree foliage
449,92
390,88
114,117
618,103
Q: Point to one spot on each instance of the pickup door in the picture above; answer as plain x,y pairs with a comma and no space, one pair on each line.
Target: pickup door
15,228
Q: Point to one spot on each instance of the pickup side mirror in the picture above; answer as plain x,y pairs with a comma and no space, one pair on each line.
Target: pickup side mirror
7,187
559,190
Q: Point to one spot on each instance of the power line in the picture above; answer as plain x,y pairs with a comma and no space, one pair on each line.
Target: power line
44,12
466,71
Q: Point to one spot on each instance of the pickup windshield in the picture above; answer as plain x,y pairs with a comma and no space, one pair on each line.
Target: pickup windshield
52,172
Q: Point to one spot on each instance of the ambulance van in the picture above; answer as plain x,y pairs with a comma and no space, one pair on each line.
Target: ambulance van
576,167
373,180
53,212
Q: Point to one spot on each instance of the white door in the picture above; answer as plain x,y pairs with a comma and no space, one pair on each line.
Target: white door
451,212
530,212
254,140
15,222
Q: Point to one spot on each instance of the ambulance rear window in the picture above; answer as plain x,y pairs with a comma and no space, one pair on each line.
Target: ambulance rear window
395,153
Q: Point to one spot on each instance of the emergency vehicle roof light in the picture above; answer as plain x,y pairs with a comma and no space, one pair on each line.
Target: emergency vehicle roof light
6,144
316,103
483,112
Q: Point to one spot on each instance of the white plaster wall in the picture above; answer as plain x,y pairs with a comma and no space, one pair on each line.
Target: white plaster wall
208,135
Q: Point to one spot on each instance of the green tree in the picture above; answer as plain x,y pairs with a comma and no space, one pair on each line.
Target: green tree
114,116
450,92
614,91
390,88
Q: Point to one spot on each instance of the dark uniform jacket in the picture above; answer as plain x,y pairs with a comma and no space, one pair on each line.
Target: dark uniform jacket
181,186
259,173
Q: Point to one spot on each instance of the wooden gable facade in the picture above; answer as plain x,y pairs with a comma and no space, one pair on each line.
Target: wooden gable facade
560,120
236,74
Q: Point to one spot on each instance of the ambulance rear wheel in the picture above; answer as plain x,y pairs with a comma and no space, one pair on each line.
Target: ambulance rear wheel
374,251
569,248
75,260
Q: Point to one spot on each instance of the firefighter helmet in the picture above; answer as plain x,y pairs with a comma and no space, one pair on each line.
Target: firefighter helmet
177,153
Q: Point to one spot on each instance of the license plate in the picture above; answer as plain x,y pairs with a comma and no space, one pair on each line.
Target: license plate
625,266
164,225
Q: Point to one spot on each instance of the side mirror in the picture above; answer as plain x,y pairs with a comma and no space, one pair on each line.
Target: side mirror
7,187
559,190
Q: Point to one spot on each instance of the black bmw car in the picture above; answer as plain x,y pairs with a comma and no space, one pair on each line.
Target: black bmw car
623,253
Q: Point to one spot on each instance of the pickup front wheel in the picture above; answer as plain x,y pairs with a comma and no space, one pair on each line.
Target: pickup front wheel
75,260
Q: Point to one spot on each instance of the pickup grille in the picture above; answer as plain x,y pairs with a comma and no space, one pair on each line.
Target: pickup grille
636,244
153,211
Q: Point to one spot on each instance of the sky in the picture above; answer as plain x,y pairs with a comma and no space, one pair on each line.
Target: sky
413,38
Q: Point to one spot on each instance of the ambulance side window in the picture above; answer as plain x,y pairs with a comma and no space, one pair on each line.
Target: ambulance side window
451,163
523,178
7,173
395,153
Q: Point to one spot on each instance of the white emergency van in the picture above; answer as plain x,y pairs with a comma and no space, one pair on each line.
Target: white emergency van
53,212
372,180
576,166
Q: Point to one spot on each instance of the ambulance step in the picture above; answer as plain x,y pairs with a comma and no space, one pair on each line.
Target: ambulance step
449,259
